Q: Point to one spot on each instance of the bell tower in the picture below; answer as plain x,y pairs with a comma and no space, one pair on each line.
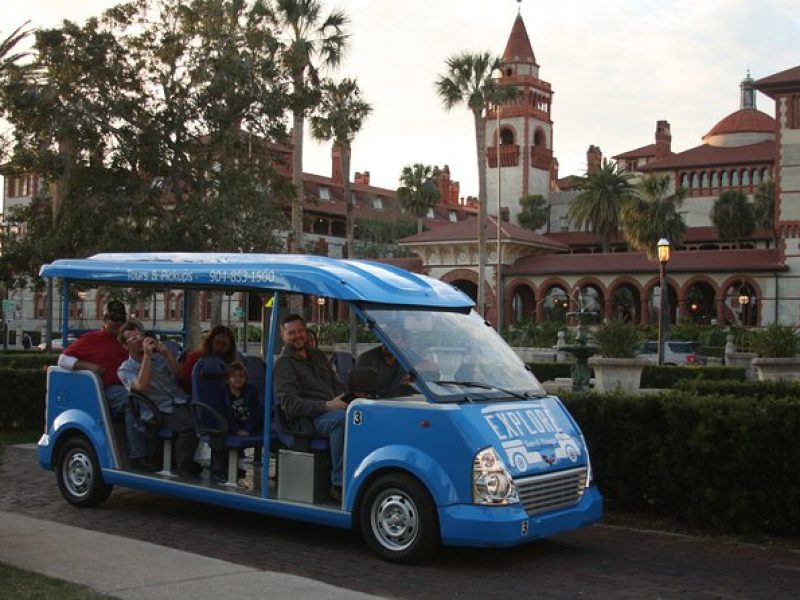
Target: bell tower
520,132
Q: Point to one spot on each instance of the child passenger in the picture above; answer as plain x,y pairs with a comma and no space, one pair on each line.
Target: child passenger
242,402
243,414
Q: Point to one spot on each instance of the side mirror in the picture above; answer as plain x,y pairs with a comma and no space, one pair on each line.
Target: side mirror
363,381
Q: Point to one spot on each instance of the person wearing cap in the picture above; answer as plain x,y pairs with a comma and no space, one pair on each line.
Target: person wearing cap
100,351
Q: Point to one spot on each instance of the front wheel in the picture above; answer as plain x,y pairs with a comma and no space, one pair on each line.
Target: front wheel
398,519
78,474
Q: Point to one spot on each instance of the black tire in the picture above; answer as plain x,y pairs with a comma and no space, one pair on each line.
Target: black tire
398,519
78,474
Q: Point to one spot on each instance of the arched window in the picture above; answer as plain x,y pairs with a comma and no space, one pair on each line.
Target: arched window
765,175
756,177
695,181
745,178
704,181
539,139
725,179
506,136
685,181
715,179
735,179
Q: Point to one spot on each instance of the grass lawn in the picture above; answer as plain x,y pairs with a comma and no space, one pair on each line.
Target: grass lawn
28,436
19,584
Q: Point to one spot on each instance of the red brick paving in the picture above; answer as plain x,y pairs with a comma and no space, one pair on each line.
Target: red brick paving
597,562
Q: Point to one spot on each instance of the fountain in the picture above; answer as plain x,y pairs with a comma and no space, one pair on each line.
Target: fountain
581,349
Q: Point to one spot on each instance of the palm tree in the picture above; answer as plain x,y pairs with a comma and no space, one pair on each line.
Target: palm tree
314,42
469,81
7,45
598,206
733,216
418,191
652,214
340,116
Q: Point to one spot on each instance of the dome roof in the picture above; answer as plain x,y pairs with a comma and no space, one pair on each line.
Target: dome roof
744,120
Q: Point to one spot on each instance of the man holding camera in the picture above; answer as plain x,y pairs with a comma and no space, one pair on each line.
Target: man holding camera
152,370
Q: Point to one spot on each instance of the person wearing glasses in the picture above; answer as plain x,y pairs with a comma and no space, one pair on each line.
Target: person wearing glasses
100,351
152,370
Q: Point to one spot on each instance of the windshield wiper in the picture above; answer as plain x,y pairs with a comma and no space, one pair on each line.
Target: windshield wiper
483,386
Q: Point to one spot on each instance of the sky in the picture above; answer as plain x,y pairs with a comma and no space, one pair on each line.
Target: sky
615,67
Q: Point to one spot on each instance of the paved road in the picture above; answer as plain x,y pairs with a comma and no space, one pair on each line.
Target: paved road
597,562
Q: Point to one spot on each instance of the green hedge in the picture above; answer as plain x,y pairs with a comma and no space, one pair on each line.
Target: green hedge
719,463
755,390
653,376
666,377
548,371
23,398
27,360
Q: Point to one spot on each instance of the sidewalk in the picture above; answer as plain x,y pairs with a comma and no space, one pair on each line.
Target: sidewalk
135,570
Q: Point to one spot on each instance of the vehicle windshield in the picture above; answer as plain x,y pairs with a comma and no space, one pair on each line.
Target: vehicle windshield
458,356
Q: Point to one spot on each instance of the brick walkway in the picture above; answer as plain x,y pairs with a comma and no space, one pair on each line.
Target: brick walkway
597,562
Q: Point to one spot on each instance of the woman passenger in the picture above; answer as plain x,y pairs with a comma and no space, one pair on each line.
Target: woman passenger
218,342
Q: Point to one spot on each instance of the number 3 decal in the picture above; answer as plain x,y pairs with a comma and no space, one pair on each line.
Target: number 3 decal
357,420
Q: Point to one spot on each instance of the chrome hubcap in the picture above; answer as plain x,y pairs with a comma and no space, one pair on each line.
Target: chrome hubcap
78,474
394,520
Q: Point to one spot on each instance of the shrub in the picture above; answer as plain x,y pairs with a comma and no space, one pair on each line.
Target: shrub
722,463
533,335
755,390
23,398
776,341
618,339
548,371
27,360
665,377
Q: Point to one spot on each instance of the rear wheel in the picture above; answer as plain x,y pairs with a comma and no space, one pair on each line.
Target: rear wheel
398,519
78,474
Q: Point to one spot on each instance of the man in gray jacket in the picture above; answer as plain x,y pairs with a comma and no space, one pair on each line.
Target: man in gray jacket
310,394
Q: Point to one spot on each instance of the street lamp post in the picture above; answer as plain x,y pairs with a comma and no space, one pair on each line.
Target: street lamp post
498,276
499,284
663,259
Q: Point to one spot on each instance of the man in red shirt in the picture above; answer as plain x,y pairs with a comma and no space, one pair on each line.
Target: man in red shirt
99,351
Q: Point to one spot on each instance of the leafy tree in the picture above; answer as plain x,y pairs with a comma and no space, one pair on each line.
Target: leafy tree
158,118
599,204
535,211
377,238
10,61
733,216
339,117
468,81
418,191
312,42
652,213
764,208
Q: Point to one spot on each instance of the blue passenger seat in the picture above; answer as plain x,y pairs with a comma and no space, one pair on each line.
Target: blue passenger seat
342,363
146,413
210,413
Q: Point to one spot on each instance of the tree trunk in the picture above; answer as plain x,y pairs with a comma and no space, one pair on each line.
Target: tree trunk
216,308
66,153
296,244
480,143
344,162
193,335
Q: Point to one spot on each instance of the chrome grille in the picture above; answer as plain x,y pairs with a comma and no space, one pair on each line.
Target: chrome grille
543,493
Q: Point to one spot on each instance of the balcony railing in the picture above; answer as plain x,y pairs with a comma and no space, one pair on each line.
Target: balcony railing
509,155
